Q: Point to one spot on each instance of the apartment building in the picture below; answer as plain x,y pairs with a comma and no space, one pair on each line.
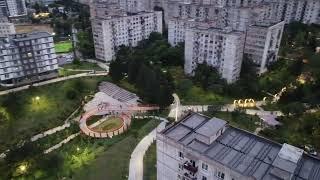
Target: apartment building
112,31
204,148
263,43
13,8
25,58
219,48
6,28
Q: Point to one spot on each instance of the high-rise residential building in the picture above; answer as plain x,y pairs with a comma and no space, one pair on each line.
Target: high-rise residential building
26,58
13,8
236,16
263,43
204,148
122,28
6,28
43,2
219,48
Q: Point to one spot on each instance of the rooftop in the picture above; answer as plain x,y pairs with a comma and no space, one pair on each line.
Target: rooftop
32,35
243,152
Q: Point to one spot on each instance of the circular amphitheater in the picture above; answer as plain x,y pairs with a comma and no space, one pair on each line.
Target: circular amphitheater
111,101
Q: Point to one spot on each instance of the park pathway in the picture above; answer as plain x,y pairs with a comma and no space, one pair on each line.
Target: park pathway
136,160
52,81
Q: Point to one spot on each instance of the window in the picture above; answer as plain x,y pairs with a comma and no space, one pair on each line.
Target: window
204,166
204,178
220,175
180,154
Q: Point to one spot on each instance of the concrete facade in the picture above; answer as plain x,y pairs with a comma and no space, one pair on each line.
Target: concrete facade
199,147
123,29
219,48
263,43
26,58
6,28
13,8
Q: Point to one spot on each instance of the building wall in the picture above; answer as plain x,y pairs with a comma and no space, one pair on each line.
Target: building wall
263,43
16,8
169,163
26,59
7,28
220,49
126,30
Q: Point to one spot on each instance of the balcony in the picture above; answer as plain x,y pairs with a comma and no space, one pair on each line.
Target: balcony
189,167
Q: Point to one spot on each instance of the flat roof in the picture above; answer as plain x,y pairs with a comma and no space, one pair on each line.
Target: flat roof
243,152
29,36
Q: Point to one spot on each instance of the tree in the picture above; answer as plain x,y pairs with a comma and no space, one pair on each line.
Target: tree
116,71
72,94
85,44
37,7
51,163
174,56
295,108
184,86
207,76
133,68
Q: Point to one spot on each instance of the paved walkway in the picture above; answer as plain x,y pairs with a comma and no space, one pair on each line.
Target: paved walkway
51,81
228,107
136,160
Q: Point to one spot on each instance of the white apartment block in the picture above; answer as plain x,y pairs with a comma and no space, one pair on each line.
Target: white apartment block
25,58
263,43
13,8
98,7
222,49
305,11
125,29
203,148
6,28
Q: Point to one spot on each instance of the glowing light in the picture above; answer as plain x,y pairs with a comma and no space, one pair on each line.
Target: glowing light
23,168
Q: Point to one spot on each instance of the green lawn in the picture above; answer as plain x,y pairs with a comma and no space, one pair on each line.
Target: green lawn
65,72
113,163
195,94
110,123
37,109
83,66
150,162
63,47
82,158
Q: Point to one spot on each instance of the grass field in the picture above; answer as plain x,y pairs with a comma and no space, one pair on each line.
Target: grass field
83,66
195,95
110,123
63,47
150,162
37,109
113,163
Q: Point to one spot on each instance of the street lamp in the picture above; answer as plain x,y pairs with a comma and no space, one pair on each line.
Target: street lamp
23,168
37,99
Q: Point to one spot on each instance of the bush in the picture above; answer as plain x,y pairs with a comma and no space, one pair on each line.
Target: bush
72,94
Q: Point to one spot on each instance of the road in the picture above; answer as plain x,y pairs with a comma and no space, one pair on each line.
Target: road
51,81
136,160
